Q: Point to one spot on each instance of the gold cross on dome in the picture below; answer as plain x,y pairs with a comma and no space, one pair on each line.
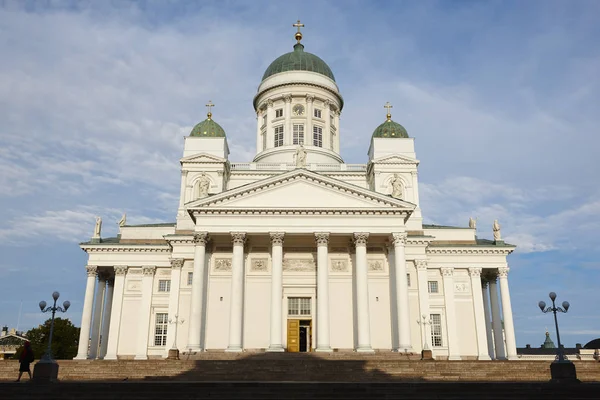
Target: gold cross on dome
298,25
209,105
388,106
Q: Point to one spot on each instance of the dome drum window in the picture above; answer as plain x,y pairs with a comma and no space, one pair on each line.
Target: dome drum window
278,136
298,134
279,113
317,113
317,136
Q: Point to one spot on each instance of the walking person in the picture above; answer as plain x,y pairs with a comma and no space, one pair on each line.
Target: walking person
25,360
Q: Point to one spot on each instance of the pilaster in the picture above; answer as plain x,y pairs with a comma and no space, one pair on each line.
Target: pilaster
323,332
237,293
448,278
362,293
145,312
276,291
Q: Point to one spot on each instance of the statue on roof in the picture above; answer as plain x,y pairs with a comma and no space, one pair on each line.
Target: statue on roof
396,183
123,220
472,223
300,157
98,227
496,229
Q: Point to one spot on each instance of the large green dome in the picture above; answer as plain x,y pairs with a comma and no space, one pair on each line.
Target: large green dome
390,129
298,60
208,128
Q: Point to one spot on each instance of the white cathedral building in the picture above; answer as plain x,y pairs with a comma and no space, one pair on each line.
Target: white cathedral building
297,250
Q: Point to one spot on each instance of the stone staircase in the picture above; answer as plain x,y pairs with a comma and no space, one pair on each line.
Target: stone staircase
302,367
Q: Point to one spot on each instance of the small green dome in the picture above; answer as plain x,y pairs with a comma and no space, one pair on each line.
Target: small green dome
208,128
390,129
298,60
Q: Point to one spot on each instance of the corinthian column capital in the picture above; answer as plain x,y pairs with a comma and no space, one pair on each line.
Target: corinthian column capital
399,238
176,263
238,237
503,272
277,238
447,271
201,238
322,238
421,264
92,270
120,270
148,270
475,272
360,238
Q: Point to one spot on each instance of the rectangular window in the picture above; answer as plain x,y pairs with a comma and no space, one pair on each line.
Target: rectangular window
317,136
432,286
298,305
164,285
298,134
190,278
160,329
436,330
279,113
264,140
279,136
264,120
317,113
408,280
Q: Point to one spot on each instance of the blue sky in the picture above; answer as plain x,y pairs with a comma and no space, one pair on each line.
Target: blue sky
501,98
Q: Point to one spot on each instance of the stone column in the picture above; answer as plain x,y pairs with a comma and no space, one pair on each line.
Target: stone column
276,291
336,143
195,320
509,327
106,318
236,313
402,303
478,311
497,322
86,317
488,320
115,314
362,293
327,129
323,338
287,131
448,277
422,280
309,118
176,265
145,312
97,322
258,131
270,132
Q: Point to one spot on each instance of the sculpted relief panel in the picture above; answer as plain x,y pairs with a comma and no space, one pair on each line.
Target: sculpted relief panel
339,266
259,265
299,265
222,265
376,266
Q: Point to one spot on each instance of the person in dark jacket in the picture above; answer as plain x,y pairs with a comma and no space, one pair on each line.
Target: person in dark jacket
25,360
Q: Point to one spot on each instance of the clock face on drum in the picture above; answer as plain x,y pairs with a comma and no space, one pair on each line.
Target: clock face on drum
298,109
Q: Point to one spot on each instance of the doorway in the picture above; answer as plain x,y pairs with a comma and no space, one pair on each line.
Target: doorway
299,335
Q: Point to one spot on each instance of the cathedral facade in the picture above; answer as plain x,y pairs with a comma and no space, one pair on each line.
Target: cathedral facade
297,250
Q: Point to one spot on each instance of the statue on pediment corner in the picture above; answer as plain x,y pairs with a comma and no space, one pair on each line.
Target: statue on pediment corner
98,227
496,228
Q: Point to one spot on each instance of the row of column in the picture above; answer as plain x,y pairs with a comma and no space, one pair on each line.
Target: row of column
322,313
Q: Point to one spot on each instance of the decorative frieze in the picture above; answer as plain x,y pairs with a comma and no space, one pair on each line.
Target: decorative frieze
135,271
482,251
339,266
376,266
259,265
222,265
299,265
461,287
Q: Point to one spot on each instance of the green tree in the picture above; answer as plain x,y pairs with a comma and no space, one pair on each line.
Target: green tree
65,339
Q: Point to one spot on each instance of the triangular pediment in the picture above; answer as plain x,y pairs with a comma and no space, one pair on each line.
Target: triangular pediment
395,159
301,189
202,158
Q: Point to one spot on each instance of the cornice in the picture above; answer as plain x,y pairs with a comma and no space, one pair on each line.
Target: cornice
114,248
469,250
262,92
277,211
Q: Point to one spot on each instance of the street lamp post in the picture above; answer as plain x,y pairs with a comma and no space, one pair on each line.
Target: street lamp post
174,351
426,353
562,370
47,368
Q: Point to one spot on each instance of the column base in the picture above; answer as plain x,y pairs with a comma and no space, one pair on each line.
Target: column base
454,358
484,357
78,357
234,349
563,372
512,358
111,357
45,372
275,349
403,349
324,350
141,357
364,349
